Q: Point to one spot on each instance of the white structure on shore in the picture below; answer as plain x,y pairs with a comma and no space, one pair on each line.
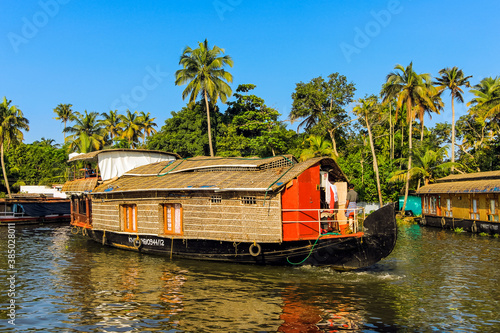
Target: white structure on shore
54,192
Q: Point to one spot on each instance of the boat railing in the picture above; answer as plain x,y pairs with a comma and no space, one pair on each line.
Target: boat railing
334,218
82,174
12,214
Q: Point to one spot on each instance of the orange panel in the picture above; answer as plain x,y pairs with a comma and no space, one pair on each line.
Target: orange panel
303,194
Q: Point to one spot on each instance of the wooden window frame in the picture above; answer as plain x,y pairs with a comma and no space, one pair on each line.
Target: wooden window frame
249,200
216,199
129,217
449,208
169,209
433,203
493,216
474,213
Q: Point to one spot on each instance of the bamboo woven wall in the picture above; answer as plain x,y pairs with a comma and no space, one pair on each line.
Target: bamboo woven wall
229,220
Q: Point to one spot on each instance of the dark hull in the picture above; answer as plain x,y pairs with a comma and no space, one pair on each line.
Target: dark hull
466,225
344,253
34,219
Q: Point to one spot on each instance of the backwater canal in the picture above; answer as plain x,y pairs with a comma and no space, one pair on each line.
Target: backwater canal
434,280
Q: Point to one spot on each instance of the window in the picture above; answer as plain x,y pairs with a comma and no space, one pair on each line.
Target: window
474,215
129,217
426,204
433,205
248,200
216,199
448,208
493,215
172,218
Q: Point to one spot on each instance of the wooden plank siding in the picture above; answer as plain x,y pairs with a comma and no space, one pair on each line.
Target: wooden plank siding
229,220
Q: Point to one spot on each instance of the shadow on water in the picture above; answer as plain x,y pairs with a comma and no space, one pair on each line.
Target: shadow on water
434,280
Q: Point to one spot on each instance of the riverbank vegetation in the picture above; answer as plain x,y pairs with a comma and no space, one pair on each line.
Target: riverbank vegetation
380,141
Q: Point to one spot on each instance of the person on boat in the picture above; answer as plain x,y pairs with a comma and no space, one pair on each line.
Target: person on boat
350,205
89,172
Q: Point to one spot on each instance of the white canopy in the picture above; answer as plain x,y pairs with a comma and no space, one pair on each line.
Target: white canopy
116,163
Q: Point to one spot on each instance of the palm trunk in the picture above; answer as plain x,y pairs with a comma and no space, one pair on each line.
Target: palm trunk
209,127
391,134
375,164
452,133
3,170
422,130
64,132
407,187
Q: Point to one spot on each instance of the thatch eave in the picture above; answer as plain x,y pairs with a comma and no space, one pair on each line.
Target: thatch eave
464,187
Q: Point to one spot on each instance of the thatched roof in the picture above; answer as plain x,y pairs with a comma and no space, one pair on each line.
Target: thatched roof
218,174
94,154
479,182
80,185
471,186
471,176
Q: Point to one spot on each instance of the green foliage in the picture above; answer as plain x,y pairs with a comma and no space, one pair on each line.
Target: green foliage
480,147
318,146
37,164
86,134
203,72
185,133
321,105
459,230
252,128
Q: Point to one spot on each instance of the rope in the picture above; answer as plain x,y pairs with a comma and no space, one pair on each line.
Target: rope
314,245
171,248
159,173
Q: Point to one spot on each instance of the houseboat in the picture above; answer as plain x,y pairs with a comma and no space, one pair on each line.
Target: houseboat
248,210
33,209
467,201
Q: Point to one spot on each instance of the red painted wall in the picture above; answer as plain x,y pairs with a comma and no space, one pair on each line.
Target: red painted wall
304,193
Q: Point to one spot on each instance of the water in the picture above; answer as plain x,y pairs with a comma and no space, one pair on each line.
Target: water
434,281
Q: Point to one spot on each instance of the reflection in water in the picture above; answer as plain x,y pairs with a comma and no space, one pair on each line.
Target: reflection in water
435,280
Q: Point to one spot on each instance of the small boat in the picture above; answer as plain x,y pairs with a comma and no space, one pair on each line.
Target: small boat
273,211
26,209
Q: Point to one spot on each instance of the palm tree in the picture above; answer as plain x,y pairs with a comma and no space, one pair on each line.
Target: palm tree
428,164
487,100
452,79
435,97
367,110
203,71
64,114
111,123
12,122
47,142
318,146
132,127
87,134
411,91
148,125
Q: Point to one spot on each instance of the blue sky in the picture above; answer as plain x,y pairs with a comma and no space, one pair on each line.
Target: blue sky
102,55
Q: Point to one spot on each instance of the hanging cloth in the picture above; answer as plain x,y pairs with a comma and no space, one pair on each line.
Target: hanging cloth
331,195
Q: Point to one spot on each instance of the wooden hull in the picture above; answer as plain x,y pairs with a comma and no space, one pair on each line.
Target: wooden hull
465,224
344,252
